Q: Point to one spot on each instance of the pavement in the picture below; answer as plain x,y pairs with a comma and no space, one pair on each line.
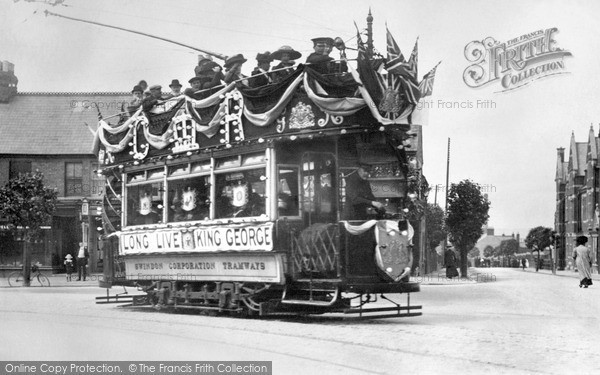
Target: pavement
565,273
475,276
485,275
60,280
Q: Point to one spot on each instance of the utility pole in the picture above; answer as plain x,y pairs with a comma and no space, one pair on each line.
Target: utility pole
446,202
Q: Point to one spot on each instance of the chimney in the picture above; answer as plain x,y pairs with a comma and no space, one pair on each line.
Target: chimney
490,231
561,154
8,82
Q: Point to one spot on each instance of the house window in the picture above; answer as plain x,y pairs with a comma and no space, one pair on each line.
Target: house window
73,179
18,167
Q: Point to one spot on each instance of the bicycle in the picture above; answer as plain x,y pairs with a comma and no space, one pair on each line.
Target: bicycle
36,278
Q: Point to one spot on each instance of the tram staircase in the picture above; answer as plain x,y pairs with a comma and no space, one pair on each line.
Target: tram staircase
318,278
111,223
315,267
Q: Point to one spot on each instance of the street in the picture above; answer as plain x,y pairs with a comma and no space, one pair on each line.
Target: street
513,322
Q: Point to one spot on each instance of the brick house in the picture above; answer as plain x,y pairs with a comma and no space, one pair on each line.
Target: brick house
52,133
577,198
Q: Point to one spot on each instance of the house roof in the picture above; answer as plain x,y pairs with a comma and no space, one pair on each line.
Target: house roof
54,123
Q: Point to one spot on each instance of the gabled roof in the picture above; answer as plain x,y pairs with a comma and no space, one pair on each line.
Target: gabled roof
54,123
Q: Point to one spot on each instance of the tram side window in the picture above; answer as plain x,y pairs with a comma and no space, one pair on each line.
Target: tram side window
189,199
240,194
145,204
287,191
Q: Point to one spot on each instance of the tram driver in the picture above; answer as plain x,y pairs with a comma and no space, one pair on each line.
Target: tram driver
360,201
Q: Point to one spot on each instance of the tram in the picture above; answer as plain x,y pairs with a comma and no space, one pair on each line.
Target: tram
245,201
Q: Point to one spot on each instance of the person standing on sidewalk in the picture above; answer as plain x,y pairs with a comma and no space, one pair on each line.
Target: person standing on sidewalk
69,266
583,260
82,259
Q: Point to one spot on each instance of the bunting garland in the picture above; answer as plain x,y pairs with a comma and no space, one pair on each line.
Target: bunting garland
178,122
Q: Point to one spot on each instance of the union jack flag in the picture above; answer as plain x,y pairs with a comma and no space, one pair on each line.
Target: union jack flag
411,66
395,58
426,85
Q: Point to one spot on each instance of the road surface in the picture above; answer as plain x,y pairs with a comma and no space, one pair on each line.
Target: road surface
513,322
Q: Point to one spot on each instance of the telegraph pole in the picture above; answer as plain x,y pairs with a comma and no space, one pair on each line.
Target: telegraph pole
446,202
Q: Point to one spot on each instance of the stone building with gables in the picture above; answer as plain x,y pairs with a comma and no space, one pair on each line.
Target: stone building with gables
577,198
53,133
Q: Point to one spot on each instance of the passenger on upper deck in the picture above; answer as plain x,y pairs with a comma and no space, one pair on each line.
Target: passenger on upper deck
136,100
320,60
211,74
286,55
154,98
175,89
144,85
202,60
193,92
261,71
233,69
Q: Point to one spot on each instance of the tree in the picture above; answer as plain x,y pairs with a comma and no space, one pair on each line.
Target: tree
434,219
474,253
538,239
27,205
508,247
467,213
489,251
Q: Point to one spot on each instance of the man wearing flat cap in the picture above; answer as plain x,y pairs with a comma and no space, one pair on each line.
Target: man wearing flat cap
196,83
262,78
286,55
233,69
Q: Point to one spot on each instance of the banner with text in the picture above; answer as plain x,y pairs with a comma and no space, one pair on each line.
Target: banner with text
238,237
267,267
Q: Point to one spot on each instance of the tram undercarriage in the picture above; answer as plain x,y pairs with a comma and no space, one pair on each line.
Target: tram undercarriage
264,299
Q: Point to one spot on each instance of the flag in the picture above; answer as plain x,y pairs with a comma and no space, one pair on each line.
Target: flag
395,58
411,66
426,85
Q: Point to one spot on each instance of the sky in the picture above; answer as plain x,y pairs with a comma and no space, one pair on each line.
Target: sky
507,146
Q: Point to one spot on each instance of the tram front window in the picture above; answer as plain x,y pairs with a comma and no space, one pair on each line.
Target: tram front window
241,194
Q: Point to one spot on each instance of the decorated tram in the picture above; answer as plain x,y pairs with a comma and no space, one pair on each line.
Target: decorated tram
303,195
